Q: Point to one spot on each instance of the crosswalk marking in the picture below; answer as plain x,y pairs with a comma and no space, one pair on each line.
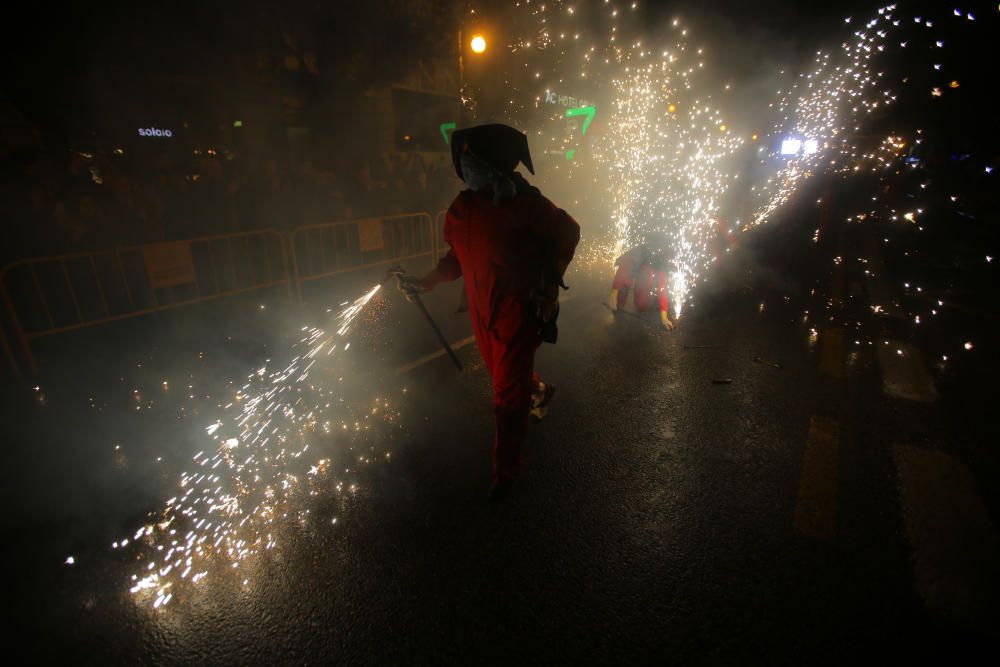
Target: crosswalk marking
904,374
955,551
831,352
816,507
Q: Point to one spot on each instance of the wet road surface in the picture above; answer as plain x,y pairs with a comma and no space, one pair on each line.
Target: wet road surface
740,490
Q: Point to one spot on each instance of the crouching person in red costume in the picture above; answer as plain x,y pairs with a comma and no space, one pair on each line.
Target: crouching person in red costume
643,270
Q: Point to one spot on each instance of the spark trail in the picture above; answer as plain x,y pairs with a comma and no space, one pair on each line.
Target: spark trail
823,109
664,152
229,504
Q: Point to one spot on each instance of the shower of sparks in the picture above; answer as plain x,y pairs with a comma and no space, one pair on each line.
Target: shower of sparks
830,104
820,110
663,159
842,107
667,168
229,505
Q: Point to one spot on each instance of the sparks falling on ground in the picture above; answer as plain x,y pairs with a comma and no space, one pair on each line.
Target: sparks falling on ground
229,506
919,195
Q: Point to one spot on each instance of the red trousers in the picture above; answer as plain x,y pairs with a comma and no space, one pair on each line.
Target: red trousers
508,350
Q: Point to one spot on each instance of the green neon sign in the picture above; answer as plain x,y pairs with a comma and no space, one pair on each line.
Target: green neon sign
588,113
445,127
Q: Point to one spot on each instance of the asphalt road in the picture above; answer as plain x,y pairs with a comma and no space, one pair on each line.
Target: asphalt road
742,490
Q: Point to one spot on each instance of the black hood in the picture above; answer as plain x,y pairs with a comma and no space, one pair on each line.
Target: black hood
501,146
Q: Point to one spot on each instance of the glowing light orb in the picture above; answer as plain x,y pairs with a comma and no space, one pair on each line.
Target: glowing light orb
790,146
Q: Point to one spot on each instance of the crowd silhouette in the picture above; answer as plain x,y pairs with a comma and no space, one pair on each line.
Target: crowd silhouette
97,200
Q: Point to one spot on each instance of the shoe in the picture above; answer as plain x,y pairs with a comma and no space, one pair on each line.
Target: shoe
545,397
500,490
540,406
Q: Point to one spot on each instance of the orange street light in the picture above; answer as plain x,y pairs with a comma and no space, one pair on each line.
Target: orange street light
478,44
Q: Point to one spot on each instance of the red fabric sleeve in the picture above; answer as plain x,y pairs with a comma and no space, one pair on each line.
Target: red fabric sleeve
661,288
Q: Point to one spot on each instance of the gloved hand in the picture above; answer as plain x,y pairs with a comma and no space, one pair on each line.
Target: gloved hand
667,322
410,286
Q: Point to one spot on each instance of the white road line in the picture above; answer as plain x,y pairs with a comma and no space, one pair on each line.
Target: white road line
955,550
831,352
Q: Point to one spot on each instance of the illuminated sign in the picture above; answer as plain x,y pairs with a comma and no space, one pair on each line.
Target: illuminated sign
551,97
154,132
810,146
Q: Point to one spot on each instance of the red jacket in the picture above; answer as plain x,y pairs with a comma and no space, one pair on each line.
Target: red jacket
504,251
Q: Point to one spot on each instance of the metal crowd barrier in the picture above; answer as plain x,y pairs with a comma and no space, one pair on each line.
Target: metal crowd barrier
9,353
328,249
51,295
442,247
44,296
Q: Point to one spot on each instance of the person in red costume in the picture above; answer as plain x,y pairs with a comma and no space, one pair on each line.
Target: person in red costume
512,247
644,272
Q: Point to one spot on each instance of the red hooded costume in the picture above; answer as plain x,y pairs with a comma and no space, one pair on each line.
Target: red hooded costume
503,250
